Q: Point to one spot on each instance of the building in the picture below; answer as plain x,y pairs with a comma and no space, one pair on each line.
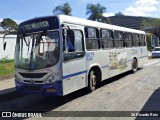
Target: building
127,21
10,46
149,25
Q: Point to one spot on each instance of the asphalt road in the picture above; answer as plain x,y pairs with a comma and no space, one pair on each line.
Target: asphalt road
127,92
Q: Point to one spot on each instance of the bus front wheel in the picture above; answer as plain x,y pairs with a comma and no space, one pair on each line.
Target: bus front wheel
92,81
134,65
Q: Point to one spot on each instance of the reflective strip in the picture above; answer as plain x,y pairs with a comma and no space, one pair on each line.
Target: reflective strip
74,74
105,66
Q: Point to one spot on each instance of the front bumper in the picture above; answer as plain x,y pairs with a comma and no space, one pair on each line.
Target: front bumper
54,89
155,56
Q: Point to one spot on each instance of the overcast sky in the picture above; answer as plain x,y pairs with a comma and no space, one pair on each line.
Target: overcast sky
21,10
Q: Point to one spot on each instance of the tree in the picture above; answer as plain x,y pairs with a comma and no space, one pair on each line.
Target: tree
119,14
96,13
9,25
65,9
148,40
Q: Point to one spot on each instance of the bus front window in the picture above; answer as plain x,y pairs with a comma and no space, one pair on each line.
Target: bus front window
37,50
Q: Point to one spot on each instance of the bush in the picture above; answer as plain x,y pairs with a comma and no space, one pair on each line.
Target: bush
150,49
6,66
6,60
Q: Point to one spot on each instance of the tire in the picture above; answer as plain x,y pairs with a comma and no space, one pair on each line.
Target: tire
134,65
92,81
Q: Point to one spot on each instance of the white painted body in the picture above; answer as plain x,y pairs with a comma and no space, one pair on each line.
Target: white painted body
73,74
100,58
10,46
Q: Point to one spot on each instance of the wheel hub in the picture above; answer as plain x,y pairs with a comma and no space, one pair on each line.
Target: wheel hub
93,80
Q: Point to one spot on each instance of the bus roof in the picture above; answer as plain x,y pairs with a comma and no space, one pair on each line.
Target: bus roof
84,22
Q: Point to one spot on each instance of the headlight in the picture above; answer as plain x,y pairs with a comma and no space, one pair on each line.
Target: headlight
50,80
17,79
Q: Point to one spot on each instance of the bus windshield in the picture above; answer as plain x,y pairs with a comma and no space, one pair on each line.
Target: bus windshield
37,50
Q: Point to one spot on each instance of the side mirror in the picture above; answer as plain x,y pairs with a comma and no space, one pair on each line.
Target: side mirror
65,47
4,46
64,32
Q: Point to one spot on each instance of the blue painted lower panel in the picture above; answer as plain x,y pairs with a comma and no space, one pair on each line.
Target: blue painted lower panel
40,88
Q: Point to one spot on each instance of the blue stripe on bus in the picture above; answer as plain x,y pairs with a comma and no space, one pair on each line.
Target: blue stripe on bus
85,71
105,66
138,58
130,60
143,56
74,74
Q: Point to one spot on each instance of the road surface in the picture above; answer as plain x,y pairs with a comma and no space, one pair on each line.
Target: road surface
127,92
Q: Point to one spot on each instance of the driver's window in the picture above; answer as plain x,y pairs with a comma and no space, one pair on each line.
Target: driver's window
70,40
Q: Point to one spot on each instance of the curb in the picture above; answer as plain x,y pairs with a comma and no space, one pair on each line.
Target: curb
8,94
6,77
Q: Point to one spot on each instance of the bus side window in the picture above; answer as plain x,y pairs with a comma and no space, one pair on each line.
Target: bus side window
107,39
142,40
128,39
92,38
118,39
136,40
70,40
75,45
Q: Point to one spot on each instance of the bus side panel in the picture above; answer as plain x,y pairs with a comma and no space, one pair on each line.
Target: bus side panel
100,59
123,60
144,56
119,61
104,62
74,75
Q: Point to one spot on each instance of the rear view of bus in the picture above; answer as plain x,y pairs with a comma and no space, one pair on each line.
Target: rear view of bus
37,57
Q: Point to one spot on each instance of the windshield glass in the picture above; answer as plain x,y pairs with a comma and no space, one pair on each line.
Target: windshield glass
156,49
37,50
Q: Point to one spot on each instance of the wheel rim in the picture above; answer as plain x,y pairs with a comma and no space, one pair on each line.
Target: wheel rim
93,79
134,65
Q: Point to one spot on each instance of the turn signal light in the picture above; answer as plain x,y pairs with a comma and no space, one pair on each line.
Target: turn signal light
51,90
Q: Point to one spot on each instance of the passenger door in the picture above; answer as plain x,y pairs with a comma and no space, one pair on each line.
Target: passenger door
74,63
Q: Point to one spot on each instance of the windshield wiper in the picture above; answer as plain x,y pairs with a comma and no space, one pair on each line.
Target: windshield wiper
35,38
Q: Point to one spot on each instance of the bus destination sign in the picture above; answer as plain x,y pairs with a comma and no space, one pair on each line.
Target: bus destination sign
37,25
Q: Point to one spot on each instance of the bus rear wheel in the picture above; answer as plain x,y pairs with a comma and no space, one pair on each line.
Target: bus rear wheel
92,81
134,65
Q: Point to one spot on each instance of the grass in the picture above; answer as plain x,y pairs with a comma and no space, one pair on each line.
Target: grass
6,67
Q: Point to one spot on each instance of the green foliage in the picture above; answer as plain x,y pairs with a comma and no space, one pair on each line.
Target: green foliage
148,39
65,9
5,60
96,13
9,25
6,66
150,49
150,21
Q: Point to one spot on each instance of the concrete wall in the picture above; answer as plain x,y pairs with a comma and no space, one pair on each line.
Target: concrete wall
10,46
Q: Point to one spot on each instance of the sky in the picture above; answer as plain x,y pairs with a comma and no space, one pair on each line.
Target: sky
21,10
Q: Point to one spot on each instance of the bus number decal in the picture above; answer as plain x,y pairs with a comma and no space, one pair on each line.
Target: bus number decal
133,51
90,56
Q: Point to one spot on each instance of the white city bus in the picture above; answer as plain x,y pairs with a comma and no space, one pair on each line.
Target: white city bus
57,55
